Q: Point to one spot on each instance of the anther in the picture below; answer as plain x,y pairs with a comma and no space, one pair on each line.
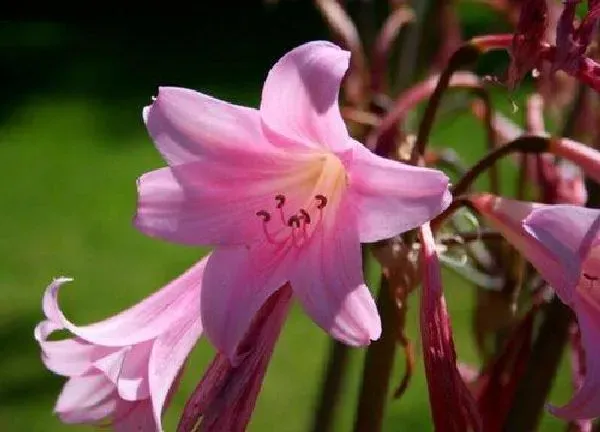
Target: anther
294,220
264,215
280,200
322,201
304,214
590,277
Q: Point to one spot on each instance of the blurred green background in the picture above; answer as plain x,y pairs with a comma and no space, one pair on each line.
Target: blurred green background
72,144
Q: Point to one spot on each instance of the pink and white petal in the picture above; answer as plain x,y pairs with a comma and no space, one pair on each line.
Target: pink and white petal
112,364
169,354
69,357
98,414
186,126
328,282
585,404
81,395
569,231
300,96
391,197
134,416
143,321
132,384
216,203
230,299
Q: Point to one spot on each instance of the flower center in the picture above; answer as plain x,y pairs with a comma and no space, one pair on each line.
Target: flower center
296,215
294,227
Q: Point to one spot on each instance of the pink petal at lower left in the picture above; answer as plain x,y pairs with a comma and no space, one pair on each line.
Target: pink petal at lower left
167,359
141,322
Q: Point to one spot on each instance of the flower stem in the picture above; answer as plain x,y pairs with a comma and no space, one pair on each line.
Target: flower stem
379,361
333,383
335,374
524,144
466,54
527,406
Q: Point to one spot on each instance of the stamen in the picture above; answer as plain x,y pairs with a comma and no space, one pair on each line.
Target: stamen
294,221
280,200
304,215
322,201
299,222
590,277
264,215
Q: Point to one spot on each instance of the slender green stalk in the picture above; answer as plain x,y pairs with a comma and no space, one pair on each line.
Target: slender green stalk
332,388
374,391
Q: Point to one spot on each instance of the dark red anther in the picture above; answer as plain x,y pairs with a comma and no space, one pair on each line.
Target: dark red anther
294,220
322,201
304,215
280,200
264,215
590,277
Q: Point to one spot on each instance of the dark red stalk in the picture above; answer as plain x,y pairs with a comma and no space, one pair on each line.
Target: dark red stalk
465,55
530,396
452,406
383,44
382,138
496,386
346,34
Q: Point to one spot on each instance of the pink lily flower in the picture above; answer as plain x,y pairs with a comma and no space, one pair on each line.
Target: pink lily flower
562,243
225,397
283,193
452,406
122,370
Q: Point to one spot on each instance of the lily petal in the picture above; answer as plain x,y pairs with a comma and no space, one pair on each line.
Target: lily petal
300,96
585,404
230,299
507,216
567,230
142,322
69,357
133,378
215,203
187,126
86,399
392,197
168,356
112,364
330,284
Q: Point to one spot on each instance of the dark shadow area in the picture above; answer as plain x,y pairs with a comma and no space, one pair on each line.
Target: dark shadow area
16,339
120,62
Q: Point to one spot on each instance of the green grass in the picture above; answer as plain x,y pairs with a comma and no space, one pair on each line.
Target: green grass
68,195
